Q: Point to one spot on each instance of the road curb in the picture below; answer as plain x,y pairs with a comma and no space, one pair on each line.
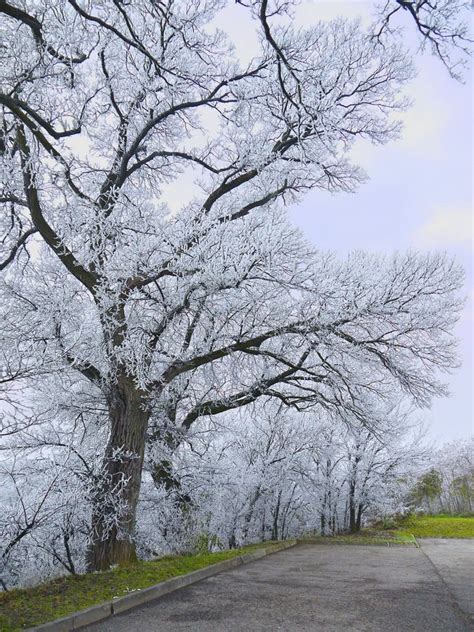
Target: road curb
105,610
328,542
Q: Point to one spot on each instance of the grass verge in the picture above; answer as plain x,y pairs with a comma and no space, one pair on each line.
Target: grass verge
440,526
23,608
405,531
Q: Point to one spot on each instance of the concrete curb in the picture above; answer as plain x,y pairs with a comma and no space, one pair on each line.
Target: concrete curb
105,610
387,543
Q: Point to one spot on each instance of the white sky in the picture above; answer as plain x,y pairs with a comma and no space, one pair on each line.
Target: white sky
419,194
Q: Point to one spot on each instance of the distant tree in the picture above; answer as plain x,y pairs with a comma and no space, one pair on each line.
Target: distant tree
448,484
428,489
455,461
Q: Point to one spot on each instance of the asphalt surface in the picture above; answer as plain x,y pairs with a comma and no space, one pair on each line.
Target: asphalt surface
323,588
454,561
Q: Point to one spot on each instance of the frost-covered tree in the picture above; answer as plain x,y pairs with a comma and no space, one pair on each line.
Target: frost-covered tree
127,320
378,468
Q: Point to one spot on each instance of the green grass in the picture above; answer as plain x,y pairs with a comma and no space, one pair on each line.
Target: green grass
437,526
405,531
23,608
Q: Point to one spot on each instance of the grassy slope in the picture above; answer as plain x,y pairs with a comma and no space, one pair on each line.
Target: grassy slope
438,526
23,608
406,530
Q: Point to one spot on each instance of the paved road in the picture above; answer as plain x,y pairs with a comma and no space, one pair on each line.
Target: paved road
320,588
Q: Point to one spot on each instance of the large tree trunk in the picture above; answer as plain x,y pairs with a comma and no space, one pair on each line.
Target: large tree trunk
116,495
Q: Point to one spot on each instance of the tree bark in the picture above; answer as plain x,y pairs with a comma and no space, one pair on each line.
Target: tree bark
360,510
352,507
250,512
162,472
116,495
352,493
276,516
322,524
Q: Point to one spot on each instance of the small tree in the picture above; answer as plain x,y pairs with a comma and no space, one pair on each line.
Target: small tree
428,489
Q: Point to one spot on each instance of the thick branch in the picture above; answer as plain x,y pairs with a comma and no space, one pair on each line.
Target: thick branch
251,344
46,231
14,104
21,241
52,151
242,398
36,29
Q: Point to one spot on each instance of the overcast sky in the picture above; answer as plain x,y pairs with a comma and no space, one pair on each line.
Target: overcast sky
419,194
